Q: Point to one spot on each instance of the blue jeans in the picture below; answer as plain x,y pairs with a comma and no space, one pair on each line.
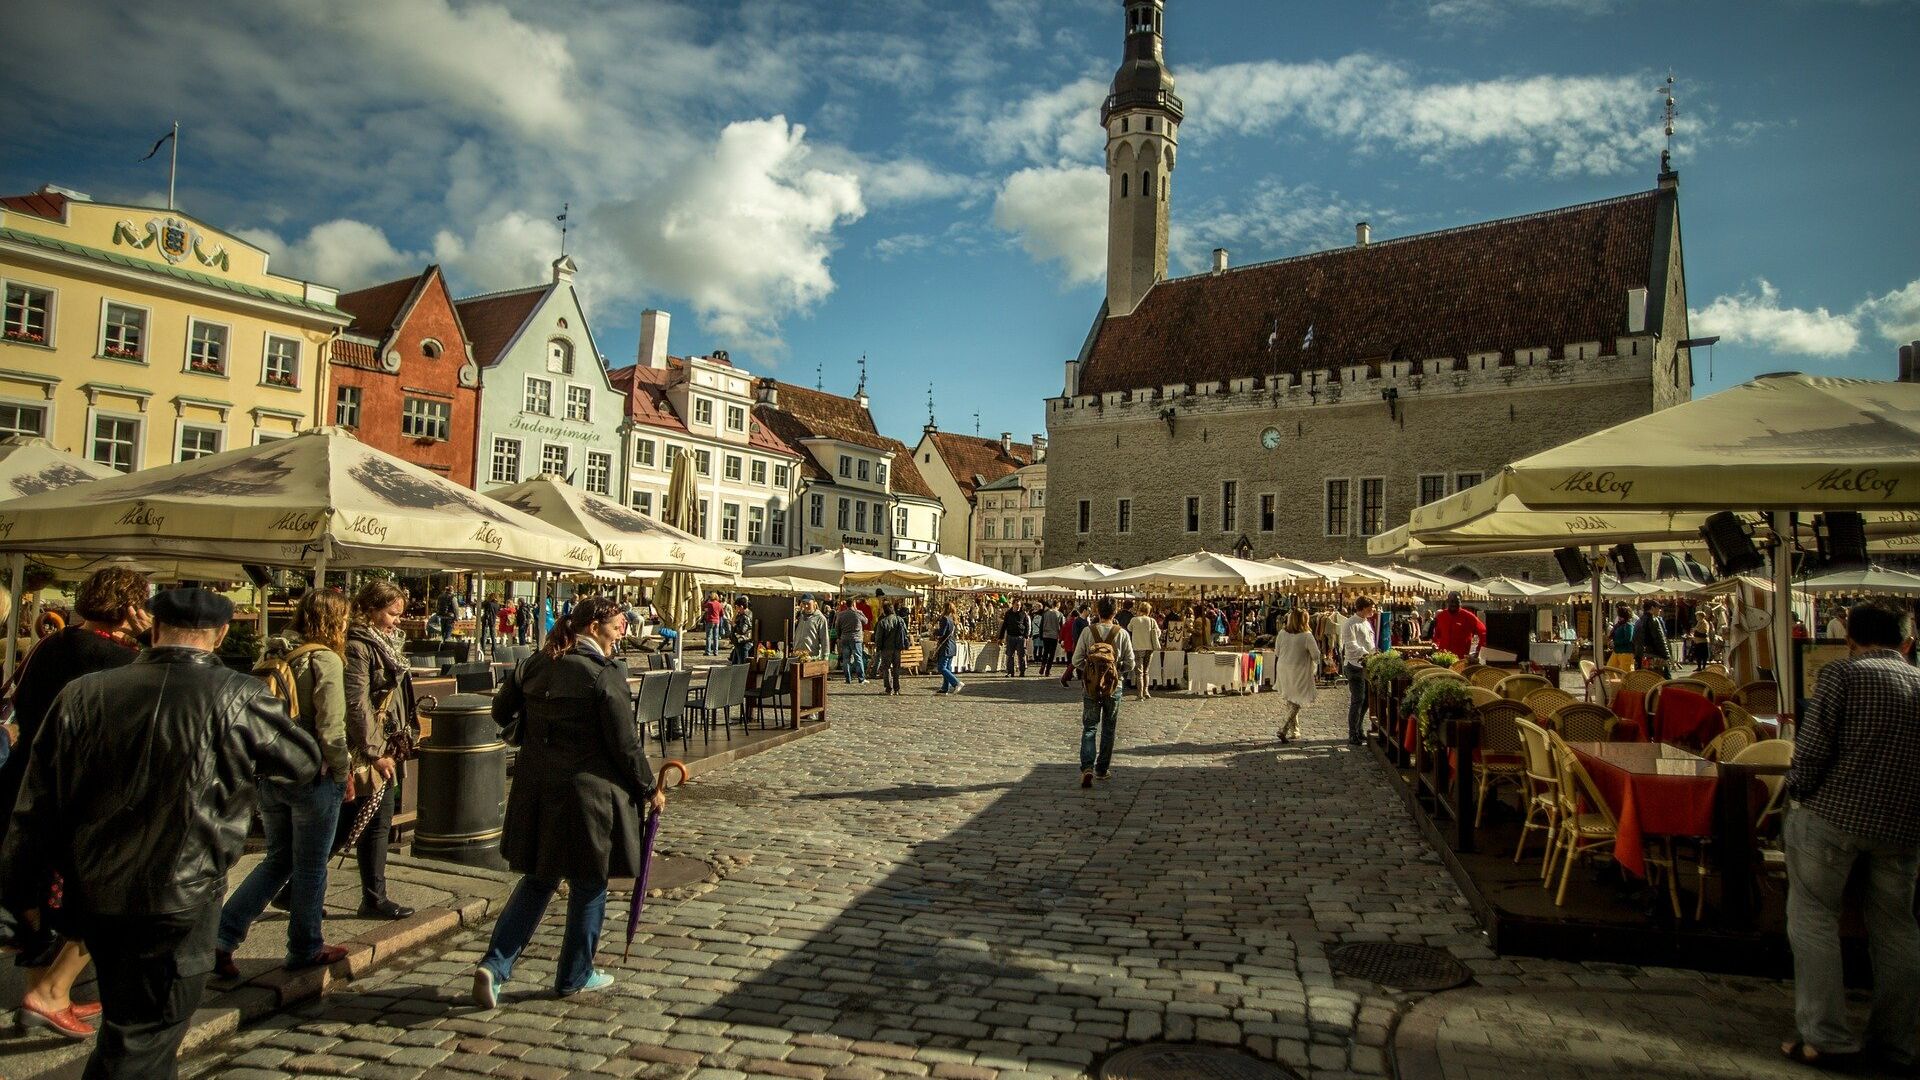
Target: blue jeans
586,910
1819,858
948,680
853,659
300,825
1099,718
713,639
1356,701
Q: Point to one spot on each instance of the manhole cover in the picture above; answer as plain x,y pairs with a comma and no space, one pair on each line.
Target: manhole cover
1406,967
1185,1061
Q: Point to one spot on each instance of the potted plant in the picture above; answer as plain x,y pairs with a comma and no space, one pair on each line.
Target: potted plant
1439,702
1384,668
1443,658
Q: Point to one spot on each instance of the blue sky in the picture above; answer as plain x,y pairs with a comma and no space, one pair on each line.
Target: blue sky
917,181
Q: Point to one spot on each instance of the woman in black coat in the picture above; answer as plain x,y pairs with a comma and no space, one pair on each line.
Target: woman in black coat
574,810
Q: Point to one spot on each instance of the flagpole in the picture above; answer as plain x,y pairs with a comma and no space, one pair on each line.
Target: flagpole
173,166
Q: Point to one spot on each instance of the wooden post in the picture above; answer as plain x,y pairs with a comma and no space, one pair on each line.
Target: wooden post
1466,741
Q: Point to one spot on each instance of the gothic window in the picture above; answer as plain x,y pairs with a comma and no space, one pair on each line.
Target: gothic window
1123,185
1123,125
1146,185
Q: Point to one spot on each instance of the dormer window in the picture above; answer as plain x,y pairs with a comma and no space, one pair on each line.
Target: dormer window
560,357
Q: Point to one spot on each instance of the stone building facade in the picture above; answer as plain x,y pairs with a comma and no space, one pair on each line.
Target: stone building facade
1299,406
1009,520
955,466
403,378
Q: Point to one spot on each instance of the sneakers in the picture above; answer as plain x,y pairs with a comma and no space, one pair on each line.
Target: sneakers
328,956
599,980
1086,779
958,686
484,994
1103,777
223,966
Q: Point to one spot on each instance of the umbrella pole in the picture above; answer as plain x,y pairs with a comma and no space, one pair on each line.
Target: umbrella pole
1782,626
17,566
1599,605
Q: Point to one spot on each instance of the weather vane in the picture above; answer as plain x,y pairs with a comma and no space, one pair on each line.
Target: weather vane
863,375
562,219
976,425
930,420
819,378
1666,155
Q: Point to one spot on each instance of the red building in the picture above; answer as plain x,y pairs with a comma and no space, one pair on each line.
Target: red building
403,376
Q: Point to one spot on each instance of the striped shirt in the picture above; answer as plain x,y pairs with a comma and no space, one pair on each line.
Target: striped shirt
1856,760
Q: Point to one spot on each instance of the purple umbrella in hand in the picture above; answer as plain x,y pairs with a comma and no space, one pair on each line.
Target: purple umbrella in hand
646,856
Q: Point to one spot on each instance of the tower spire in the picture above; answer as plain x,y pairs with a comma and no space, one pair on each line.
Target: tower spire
1666,154
1142,118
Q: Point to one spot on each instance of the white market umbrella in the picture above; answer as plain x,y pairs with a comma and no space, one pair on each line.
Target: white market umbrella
1507,588
844,566
1466,589
1203,570
33,466
1336,576
1076,577
958,573
627,539
1394,580
1866,581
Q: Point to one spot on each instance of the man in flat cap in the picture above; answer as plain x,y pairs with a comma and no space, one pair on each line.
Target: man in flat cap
138,795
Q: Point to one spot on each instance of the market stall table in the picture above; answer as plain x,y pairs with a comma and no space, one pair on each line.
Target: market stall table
1654,790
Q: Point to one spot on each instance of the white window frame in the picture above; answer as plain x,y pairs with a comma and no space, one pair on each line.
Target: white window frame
180,429
781,475
739,411
1039,497
730,521
226,347
1326,505
816,511
846,466
844,515
566,458
863,471
526,398
605,486
586,412
431,414
146,331
700,523
644,453
358,404
519,460
703,411
776,528
733,467
641,501
266,354
756,525
1420,484
44,408
563,364
987,528
1360,505
702,461
95,415
880,473
53,311
757,472
900,521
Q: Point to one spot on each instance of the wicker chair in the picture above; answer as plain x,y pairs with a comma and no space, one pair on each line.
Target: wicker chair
1544,701
1489,677
1474,669
1480,695
1698,686
1542,787
1717,668
1431,672
1768,752
1414,663
1728,743
1517,687
1582,833
1583,721
1604,684
1759,697
1646,682
1738,717
1720,686
1499,736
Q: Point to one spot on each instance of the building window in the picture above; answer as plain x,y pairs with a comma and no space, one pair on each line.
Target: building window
430,349
1193,513
1336,519
553,459
123,332
560,357
1085,517
599,472
346,406
421,418
700,523
846,515
703,412
1123,520
780,474
846,466
736,418
506,461
1373,510
28,315
643,450
197,442
539,396
16,419
1433,488
1229,504
900,522
673,455
282,365
777,528
1026,528
730,469
757,471
862,470
115,441
1465,480
642,502
756,525
817,511
987,526
860,517
730,523
703,462
580,403
1006,527
206,347
1266,513
1039,497
880,473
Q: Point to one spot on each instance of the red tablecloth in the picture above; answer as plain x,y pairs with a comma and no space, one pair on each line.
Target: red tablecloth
1630,705
1628,731
1647,801
1684,717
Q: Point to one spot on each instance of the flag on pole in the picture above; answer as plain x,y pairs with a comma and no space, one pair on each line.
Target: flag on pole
158,143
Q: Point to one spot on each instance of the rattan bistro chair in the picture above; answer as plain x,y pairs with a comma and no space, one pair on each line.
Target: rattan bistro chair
1502,755
1759,697
1480,695
1604,684
1697,685
1726,745
1719,686
1542,787
1517,687
1544,701
1587,825
1489,677
1582,721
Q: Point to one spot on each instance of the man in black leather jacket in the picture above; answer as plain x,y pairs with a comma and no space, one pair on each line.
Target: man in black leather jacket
138,795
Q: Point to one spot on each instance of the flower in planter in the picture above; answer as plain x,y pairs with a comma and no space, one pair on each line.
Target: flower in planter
1383,668
1443,658
1437,701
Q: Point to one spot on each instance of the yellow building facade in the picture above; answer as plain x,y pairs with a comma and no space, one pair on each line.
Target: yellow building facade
138,337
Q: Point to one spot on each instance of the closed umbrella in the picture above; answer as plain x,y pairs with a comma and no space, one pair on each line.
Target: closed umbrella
646,857
678,594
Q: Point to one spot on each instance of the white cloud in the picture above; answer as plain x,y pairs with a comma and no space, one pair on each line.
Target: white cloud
1897,314
1757,318
1049,127
343,253
1493,11
1275,220
1059,214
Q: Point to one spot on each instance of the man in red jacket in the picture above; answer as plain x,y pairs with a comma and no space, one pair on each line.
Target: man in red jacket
1457,630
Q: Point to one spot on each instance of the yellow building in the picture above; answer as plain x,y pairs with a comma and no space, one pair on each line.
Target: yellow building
138,337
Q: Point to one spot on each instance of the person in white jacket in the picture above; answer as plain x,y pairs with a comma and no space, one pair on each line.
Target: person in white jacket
1145,632
1296,664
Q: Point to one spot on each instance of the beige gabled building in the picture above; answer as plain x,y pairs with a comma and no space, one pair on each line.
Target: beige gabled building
955,466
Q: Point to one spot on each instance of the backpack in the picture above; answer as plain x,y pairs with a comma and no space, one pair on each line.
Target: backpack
277,670
1100,666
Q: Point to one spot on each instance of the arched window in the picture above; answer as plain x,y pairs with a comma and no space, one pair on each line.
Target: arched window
1123,125
1123,185
560,356
1146,185
430,349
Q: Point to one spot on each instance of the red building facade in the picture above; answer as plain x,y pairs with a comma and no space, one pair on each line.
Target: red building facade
403,376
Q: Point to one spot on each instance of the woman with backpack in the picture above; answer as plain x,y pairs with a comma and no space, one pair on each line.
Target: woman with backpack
307,670
380,730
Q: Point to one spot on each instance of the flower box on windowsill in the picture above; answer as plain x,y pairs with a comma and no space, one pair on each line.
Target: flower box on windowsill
123,354
205,367
24,337
284,382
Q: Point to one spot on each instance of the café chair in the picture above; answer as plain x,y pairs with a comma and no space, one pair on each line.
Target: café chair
1695,684
1587,826
1604,684
1431,672
1480,695
1502,756
1541,785
1474,669
1761,696
673,714
1544,701
1489,677
1719,686
648,703
1582,721
473,678
770,690
1738,717
1728,743
1517,687
1777,752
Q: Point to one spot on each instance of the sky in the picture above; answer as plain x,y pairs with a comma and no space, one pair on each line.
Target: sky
918,182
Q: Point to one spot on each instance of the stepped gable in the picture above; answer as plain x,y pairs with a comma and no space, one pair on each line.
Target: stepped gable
968,456
492,320
1544,279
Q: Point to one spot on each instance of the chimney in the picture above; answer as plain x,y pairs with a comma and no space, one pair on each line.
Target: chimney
1362,234
860,397
1636,311
1219,260
1039,448
1910,362
1006,443
653,338
563,271
1072,386
768,392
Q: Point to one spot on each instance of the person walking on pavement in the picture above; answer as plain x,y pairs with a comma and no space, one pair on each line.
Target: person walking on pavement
1145,635
1101,654
1854,786
489,619
1015,627
300,819
810,633
851,626
741,629
1620,640
522,619
1051,623
890,638
573,812
1650,648
449,612
137,795
1356,644
380,719
112,605
714,616
946,650
1296,663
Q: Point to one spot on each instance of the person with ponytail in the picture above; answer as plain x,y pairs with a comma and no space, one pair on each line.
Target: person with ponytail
574,810
380,717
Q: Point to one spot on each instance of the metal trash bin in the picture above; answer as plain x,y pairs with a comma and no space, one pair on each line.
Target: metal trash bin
463,784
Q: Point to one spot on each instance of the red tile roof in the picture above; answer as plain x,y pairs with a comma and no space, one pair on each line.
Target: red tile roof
47,204
491,321
355,354
804,413
968,456
906,475
1547,279
647,403
376,309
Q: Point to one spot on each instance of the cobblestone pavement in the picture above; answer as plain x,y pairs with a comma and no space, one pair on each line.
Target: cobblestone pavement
925,891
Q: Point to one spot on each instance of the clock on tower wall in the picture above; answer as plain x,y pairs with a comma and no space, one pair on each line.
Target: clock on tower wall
1270,438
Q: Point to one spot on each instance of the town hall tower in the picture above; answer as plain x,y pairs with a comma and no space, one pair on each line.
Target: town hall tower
1142,117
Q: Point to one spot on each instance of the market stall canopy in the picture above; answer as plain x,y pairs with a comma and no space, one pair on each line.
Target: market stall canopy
843,567
1867,581
627,539
1076,576
1335,576
1445,584
1506,588
1390,579
1612,588
1203,570
285,503
958,573
33,466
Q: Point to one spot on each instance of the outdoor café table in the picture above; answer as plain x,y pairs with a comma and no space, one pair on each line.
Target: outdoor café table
1682,716
1654,790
